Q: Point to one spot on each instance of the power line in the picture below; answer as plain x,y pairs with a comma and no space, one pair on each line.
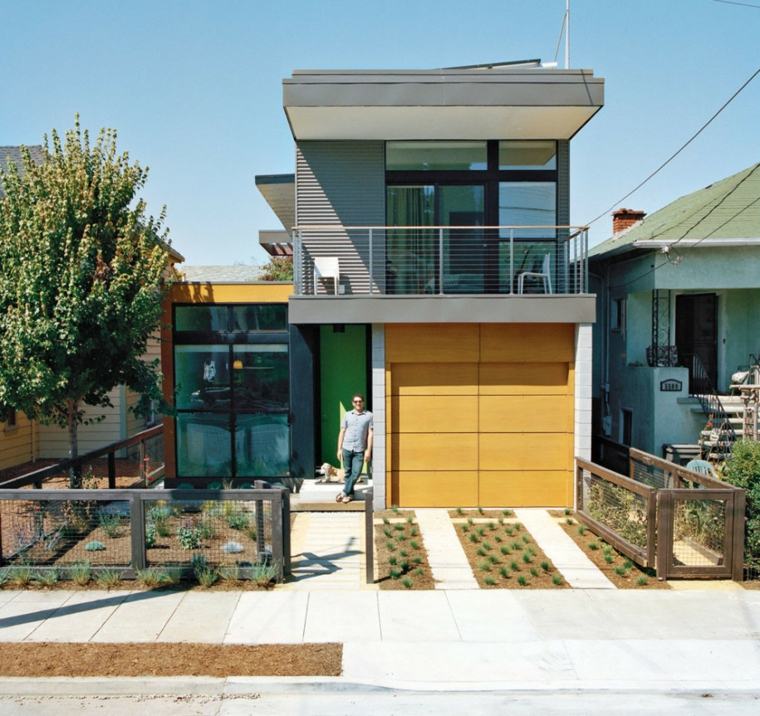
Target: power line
735,2
679,150
559,39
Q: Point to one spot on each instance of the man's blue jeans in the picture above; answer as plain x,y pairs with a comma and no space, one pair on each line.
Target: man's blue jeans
352,467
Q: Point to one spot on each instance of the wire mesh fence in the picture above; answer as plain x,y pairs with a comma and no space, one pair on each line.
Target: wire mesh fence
699,532
661,514
237,530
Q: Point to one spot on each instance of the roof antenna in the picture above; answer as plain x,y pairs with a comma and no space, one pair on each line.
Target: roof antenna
567,34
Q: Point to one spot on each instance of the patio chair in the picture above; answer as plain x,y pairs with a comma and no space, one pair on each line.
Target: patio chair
544,274
702,467
326,267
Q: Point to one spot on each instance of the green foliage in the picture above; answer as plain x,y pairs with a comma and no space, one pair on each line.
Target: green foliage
621,571
279,268
642,581
504,572
481,552
507,513
80,573
460,512
609,559
522,580
514,566
47,577
743,470
527,558
153,577
108,578
490,581
207,577
237,520
111,524
533,572
487,545
618,509
582,530
206,528
505,550
556,580
473,538
593,546
94,546
484,566
22,575
264,574
407,583
414,544
82,276
545,566
188,537
150,536
390,545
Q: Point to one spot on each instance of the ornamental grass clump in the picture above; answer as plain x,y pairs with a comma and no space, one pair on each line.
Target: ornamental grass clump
490,581
505,550
522,580
22,575
81,573
47,577
556,580
153,577
110,524
407,583
481,552
108,578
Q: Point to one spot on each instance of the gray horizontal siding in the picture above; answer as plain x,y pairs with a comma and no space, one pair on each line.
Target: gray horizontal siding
343,184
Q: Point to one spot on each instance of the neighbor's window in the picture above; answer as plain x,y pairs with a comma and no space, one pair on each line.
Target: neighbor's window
617,315
527,155
416,156
626,426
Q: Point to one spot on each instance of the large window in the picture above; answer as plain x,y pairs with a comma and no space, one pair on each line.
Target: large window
469,184
231,389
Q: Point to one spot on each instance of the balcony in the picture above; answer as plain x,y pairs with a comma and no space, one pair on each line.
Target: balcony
475,271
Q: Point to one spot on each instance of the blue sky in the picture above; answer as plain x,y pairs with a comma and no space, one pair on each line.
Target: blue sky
194,89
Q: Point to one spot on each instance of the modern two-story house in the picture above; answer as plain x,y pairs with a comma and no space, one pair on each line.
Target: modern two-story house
437,271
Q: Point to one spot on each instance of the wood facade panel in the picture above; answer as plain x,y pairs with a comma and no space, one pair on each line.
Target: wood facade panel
525,413
436,488
524,379
527,343
435,379
538,488
432,343
434,451
435,413
525,451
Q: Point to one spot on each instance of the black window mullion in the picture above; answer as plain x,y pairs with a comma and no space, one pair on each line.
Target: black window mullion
233,454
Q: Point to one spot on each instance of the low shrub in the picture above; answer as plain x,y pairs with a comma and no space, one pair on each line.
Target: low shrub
188,537
207,577
150,536
504,572
94,546
21,575
206,529
522,580
484,566
81,573
533,572
621,571
505,550
237,521
153,577
642,581
556,580
110,524
108,578
490,581
47,577
593,546
408,584
232,547
545,566
264,574
743,470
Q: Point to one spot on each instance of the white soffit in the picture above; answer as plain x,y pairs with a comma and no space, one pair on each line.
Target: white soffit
436,122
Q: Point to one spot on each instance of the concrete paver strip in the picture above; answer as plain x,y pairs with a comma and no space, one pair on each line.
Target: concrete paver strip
416,616
327,551
201,617
140,617
490,615
277,617
79,618
447,559
577,569
342,616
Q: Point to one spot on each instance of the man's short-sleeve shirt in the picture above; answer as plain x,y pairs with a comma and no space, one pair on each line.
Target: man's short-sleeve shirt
357,427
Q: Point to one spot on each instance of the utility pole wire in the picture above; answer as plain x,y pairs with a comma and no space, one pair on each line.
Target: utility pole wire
679,150
735,2
559,39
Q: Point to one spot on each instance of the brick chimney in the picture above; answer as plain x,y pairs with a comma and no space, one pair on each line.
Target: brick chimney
623,219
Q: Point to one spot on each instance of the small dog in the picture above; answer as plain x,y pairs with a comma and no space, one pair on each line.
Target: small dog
330,473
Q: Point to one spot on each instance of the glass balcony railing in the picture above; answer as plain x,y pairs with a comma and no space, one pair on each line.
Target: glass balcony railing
440,260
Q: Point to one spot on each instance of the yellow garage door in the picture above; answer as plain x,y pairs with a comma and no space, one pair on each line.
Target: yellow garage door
479,414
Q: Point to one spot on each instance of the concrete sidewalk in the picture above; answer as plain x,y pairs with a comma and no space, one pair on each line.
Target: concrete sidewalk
457,640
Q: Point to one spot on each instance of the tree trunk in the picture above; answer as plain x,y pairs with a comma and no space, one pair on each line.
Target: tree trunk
75,471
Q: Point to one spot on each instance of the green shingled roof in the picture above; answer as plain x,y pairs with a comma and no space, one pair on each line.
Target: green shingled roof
727,209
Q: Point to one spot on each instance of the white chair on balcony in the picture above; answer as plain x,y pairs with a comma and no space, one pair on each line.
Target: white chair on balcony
544,274
327,267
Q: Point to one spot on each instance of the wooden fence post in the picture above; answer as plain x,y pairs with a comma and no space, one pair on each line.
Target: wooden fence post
737,566
137,520
111,470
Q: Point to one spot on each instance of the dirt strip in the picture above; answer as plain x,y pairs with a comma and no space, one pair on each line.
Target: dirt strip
54,659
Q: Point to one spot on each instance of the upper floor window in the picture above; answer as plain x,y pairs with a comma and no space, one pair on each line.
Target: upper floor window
527,155
435,156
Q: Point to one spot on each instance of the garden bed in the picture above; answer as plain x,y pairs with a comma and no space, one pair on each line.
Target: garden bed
400,555
621,571
480,513
77,660
503,554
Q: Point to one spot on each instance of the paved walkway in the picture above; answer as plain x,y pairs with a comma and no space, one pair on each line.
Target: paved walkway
460,639
447,559
328,551
577,569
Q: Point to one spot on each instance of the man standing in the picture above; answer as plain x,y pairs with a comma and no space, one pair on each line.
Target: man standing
354,446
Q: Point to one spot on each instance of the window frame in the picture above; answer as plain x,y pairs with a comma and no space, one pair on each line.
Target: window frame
228,338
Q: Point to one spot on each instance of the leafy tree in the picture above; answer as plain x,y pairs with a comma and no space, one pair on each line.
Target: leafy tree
743,470
81,276
279,268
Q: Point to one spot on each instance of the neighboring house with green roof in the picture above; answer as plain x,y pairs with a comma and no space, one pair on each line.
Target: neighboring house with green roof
678,316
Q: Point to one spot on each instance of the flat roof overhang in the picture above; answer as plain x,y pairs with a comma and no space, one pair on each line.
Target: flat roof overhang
442,309
279,190
498,103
